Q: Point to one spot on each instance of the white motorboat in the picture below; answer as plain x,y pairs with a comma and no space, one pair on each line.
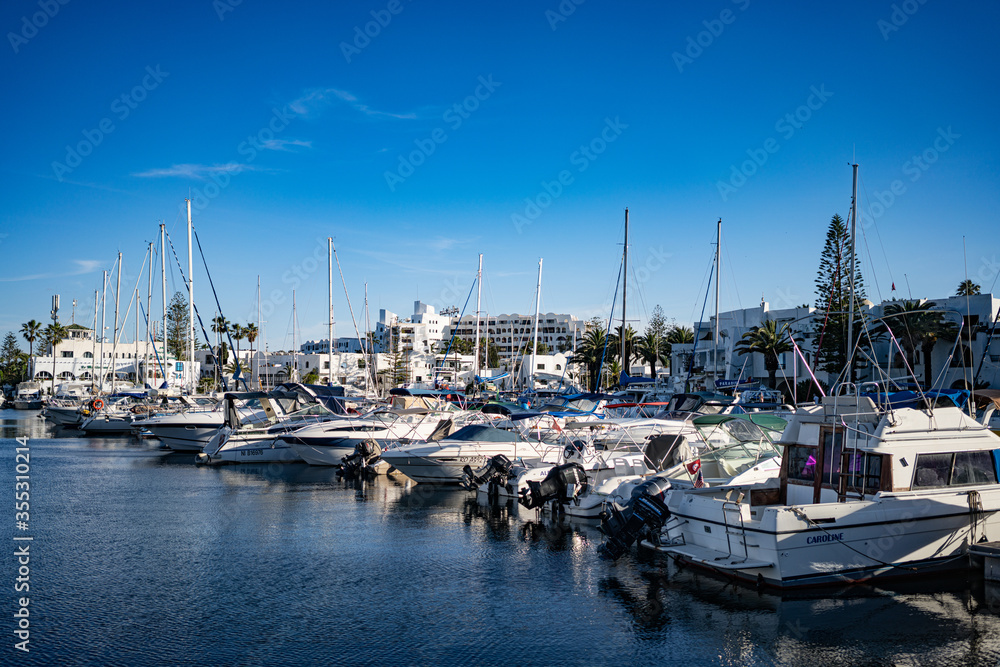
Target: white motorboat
327,444
28,396
444,461
714,449
865,491
245,440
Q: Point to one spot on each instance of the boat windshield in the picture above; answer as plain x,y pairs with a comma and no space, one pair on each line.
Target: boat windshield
732,432
481,433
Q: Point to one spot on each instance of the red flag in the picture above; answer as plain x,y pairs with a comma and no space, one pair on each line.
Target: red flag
694,466
893,287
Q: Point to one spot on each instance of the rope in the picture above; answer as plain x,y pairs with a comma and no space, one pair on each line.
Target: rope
239,367
802,515
611,314
204,331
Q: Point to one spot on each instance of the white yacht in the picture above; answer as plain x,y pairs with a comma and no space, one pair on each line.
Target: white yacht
865,491
327,443
444,461
243,439
28,396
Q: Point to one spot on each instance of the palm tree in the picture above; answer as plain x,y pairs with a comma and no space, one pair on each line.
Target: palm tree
590,352
615,345
651,348
53,335
250,331
239,333
31,331
918,325
770,341
967,288
680,334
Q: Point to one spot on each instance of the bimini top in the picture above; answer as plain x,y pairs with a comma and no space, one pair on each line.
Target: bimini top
939,398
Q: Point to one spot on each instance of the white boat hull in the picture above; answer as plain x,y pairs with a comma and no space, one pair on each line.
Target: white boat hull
899,534
252,450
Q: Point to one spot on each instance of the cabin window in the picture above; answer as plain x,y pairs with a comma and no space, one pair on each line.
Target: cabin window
802,463
960,469
833,442
932,470
973,468
862,472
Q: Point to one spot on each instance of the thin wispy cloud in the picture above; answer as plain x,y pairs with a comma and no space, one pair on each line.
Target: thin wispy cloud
285,144
83,266
314,101
199,171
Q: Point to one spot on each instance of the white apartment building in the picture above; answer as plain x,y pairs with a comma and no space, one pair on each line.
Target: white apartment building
82,358
950,361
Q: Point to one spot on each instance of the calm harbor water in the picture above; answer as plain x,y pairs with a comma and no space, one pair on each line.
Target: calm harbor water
140,557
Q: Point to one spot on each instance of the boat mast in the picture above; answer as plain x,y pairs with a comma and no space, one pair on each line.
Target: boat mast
718,265
135,341
850,279
149,316
479,300
295,358
104,324
93,342
114,339
163,287
190,304
534,347
329,262
624,285
257,360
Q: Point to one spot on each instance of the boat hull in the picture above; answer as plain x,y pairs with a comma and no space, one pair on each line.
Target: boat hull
840,543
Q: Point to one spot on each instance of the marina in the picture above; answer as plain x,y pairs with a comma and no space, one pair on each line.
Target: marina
559,333
145,557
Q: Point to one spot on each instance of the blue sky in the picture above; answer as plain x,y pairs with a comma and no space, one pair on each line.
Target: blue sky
445,132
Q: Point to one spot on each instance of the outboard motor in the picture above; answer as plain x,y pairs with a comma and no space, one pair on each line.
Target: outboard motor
366,455
494,473
563,483
645,511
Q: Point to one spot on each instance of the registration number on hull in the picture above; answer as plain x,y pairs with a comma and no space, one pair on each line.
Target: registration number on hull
251,452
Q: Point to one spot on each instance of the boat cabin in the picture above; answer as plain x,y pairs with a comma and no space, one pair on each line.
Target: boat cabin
848,449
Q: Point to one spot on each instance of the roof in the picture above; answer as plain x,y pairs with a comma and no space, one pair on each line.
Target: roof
77,326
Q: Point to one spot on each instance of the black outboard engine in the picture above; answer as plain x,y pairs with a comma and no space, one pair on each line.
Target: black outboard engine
494,473
563,483
366,455
645,511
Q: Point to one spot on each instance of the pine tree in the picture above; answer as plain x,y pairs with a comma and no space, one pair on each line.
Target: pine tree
178,324
833,299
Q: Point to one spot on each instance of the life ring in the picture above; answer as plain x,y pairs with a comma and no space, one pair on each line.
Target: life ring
97,404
